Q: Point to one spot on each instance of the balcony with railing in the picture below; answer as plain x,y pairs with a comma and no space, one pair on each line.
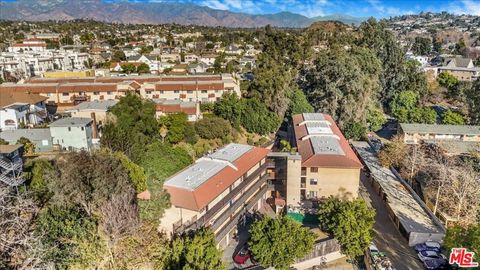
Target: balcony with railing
206,219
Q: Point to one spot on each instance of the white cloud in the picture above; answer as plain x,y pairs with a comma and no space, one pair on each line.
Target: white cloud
215,4
387,10
466,7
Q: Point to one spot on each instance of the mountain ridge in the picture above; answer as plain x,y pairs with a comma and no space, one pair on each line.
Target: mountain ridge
154,13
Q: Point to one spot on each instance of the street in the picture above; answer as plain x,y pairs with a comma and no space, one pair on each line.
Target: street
387,238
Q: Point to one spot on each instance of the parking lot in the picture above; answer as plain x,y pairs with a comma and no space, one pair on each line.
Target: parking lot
387,238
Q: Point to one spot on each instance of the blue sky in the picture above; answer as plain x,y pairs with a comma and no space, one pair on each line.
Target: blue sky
362,8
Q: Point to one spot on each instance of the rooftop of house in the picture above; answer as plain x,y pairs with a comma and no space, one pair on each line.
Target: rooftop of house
199,184
19,98
321,143
7,149
458,62
440,129
33,134
71,122
97,105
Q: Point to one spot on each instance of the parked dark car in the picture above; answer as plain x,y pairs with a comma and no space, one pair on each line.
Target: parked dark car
436,264
429,245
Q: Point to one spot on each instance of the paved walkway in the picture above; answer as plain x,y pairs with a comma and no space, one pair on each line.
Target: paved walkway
387,238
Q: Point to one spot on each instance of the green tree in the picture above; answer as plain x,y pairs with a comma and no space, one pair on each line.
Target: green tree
344,84
143,68
3,142
28,146
447,80
135,172
452,118
376,119
118,56
213,127
464,237
278,242
195,251
257,118
422,115
473,102
350,222
128,68
177,125
89,181
36,172
230,107
68,237
299,103
422,46
406,100
133,128
355,131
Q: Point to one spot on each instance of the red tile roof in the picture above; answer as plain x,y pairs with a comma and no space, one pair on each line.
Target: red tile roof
310,159
209,190
175,108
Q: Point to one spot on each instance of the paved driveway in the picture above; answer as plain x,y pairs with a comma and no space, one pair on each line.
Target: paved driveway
387,238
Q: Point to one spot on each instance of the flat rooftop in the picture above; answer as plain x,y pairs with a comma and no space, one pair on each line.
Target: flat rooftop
409,212
96,105
440,129
71,122
208,166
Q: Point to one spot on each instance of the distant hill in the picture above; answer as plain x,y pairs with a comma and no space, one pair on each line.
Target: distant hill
152,13
346,19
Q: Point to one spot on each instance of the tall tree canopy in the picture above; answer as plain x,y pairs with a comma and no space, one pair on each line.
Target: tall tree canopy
278,242
134,126
350,222
344,84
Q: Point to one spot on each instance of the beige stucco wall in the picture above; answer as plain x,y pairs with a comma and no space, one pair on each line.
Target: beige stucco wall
174,214
334,181
293,182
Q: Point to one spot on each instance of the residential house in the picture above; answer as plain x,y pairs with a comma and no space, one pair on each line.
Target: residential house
197,68
208,59
33,44
170,57
328,165
41,138
233,50
100,108
190,58
462,68
73,133
250,60
191,109
21,108
217,191
455,139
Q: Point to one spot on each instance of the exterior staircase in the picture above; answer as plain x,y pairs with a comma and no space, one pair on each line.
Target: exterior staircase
10,172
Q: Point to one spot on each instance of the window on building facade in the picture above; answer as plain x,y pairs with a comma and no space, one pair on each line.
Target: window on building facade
313,169
190,91
204,91
64,94
149,92
313,181
69,129
312,194
109,93
83,128
304,171
96,93
176,91
161,92
303,182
